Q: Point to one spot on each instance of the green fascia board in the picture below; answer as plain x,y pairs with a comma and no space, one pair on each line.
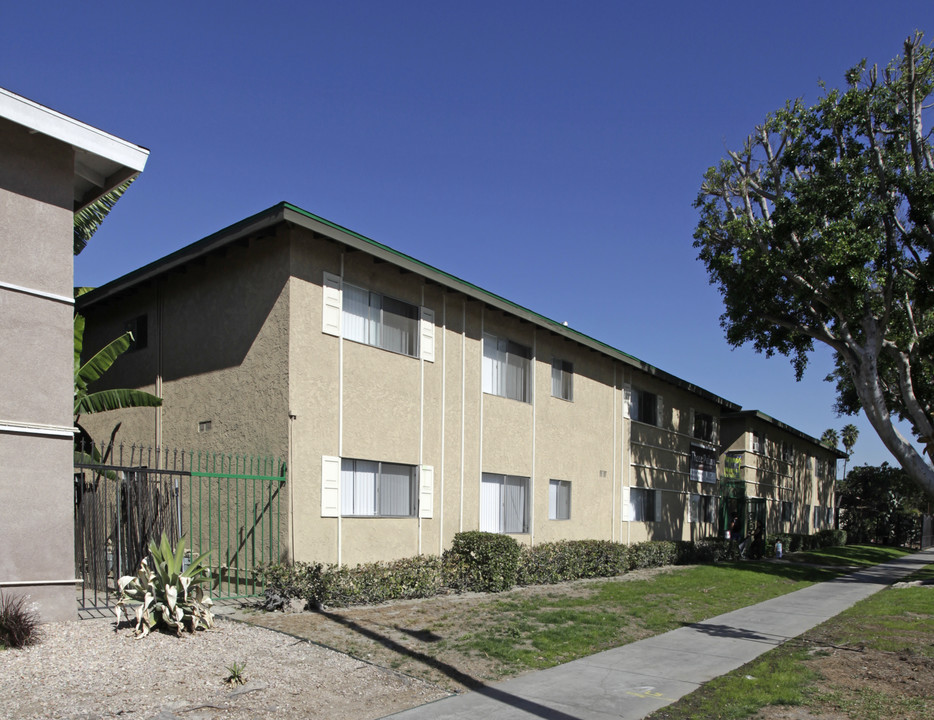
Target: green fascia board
768,419
289,213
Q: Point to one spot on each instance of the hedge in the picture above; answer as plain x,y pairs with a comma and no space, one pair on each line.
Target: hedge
489,562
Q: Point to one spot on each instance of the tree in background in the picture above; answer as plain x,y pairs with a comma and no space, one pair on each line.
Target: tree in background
830,438
821,228
880,505
850,433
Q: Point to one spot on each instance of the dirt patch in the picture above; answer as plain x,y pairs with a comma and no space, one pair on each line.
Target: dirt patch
425,638
851,678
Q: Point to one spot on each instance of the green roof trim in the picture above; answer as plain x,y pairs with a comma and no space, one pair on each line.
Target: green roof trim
289,213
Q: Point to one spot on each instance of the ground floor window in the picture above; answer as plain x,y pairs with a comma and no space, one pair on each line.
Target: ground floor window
644,504
787,511
559,500
504,503
703,508
378,489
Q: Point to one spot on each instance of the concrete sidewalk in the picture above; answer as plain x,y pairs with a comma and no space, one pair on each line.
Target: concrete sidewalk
636,679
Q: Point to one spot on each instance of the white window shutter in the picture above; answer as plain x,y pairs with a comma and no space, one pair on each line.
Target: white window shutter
690,428
331,305
426,490
627,401
693,507
660,411
658,506
330,486
627,506
716,430
428,334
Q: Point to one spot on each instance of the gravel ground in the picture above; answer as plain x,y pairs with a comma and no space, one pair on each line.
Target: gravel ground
88,670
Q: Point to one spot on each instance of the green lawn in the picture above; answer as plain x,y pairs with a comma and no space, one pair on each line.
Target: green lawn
900,622
542,631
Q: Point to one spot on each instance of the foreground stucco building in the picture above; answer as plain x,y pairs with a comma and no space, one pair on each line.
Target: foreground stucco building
51,166
411,404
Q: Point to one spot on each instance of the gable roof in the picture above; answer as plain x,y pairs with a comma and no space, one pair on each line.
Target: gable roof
102,161
285,212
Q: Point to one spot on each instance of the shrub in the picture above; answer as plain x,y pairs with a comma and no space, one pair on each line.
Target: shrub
19,624
652,553
481,562
371,583
340,585
571,560
169,598
830,538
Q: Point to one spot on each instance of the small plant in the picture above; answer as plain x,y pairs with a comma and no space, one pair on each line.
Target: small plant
170,599
235,671
18,624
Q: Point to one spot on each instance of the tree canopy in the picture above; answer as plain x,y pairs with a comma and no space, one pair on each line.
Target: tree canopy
821,228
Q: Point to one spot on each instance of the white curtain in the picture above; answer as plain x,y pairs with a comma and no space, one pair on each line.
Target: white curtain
514,504
395,490
358,487
491,503
356,318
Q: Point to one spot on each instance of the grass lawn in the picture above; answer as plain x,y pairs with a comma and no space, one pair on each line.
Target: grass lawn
875,660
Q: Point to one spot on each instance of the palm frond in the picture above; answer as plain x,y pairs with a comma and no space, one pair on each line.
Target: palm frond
105,400
89,218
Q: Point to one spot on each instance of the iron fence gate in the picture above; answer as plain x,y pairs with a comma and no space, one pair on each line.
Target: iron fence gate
228,506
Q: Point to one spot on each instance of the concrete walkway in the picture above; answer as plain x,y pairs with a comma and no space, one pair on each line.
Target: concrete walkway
636,679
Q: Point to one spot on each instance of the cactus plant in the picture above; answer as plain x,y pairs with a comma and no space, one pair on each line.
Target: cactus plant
169,597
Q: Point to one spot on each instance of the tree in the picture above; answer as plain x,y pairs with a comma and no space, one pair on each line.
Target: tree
821,229
880,504
87,402
89,218
850,433
830,438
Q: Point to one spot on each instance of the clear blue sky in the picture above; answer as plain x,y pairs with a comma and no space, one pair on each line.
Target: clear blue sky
546,151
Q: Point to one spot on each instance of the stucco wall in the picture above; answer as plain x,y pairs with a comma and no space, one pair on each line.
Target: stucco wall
36,493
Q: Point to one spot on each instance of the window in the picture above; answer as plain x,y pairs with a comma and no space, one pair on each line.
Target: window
817,516
504,503
644,407
377,489
138,326
788,454
507,368
559,500
381,321
787,511
758,442
643,504
703,508
562,379
703,427
828,516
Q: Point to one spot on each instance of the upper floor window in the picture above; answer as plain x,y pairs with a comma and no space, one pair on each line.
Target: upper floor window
644,407
138,327
758,442
703,427
562,379
507,368
381,321
788,453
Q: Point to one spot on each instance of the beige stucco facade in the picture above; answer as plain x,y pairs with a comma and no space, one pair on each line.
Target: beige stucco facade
44,157
249,328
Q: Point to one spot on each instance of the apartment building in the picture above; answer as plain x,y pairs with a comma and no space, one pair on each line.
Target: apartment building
411,404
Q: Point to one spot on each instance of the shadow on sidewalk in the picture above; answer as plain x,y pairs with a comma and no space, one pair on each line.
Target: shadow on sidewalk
477,686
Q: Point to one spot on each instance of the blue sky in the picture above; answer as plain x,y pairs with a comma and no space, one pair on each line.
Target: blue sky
546,151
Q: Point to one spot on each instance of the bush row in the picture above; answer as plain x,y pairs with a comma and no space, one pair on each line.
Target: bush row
488,562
